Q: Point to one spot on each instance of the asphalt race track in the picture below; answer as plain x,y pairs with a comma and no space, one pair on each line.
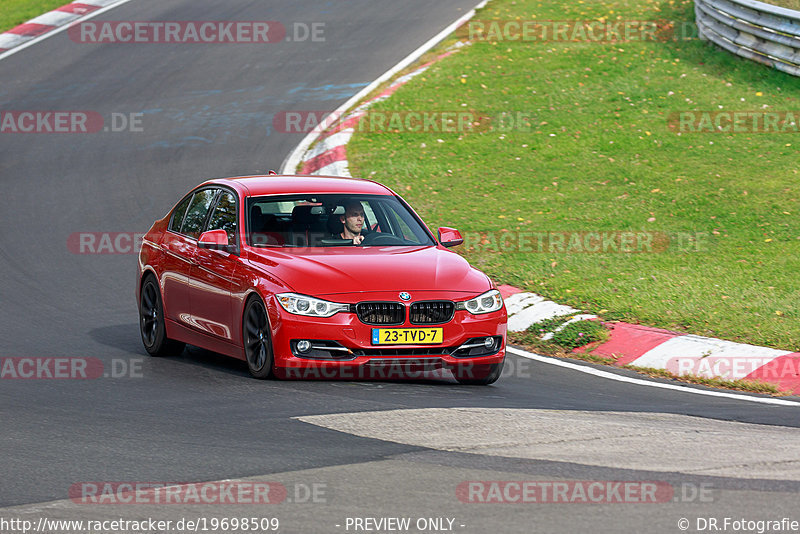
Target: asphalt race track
404,449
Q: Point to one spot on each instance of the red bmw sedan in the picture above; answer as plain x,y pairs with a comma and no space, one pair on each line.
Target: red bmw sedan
317,277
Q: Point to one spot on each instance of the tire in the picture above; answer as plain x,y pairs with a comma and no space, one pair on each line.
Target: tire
257,339
479,375
152,325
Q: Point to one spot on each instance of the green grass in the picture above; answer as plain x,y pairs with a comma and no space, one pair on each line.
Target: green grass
580,333
531,341
15,12
600,157
791,4
565,337
752,386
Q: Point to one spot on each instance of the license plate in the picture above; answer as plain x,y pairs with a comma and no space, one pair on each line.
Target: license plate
406,336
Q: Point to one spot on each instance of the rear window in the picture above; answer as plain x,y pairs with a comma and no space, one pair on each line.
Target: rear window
224,216
196,215
178,213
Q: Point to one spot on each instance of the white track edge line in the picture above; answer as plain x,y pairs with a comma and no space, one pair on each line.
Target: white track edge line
292,161
60,29
640,382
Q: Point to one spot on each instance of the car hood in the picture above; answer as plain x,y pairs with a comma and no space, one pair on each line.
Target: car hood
336,270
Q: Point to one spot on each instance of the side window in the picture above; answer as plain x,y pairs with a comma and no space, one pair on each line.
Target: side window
224,216
196,214
178,213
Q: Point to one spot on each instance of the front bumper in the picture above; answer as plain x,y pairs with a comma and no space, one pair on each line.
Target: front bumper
363,359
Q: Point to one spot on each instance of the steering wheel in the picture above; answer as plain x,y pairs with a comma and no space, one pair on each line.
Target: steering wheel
378,238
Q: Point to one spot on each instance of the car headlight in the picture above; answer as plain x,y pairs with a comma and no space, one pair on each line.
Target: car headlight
309,306
486,303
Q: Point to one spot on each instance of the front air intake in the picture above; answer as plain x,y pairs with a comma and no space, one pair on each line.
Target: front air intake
432,312
381,313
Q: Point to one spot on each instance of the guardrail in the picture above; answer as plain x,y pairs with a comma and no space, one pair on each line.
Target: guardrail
757,31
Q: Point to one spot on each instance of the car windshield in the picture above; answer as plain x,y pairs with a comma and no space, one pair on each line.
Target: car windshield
333,221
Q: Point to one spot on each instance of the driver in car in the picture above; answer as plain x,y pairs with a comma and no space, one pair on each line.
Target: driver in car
353,222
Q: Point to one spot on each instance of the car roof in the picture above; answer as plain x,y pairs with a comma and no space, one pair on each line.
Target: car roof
291,184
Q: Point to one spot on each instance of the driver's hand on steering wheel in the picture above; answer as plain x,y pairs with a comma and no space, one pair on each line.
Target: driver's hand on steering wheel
358,239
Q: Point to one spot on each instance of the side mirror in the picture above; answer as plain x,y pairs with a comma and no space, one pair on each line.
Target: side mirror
215,240
450,237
